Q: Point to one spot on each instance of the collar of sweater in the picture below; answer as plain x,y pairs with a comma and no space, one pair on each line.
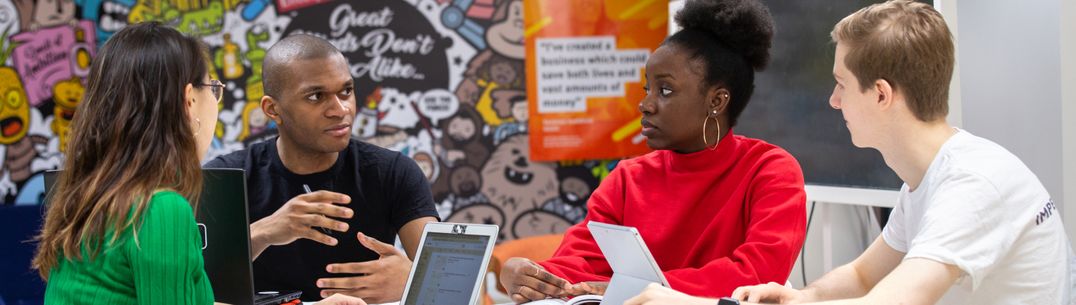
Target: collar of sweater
706,160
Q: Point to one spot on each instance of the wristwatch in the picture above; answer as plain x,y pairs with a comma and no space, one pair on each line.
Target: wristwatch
728,301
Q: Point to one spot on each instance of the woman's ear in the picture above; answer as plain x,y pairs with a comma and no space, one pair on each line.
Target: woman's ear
718,100
188,99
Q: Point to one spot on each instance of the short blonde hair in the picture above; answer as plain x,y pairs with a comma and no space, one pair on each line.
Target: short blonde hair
905,43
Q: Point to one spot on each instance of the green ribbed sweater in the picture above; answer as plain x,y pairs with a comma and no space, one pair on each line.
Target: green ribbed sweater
165,267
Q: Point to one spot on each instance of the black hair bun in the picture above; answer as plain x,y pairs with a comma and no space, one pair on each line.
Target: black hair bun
745,26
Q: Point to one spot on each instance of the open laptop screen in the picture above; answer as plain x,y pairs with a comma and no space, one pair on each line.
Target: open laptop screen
447,269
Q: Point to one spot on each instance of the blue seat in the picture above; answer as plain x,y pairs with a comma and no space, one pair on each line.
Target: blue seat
19,284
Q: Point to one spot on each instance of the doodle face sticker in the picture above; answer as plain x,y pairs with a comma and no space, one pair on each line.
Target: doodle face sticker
503,73
478,213
203,21
506,37
426,164
519,110
66,95
462,140
538,222
48,13
574,190
465,181
514,183
461,129
14,114
111,16
14,108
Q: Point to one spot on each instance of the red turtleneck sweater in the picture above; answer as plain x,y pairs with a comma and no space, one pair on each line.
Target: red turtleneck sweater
713,220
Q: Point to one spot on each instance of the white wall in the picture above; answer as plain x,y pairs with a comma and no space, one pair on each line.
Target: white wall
1010,54
948,9
1068,114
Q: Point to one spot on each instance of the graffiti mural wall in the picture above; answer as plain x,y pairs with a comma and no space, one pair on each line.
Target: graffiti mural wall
441,81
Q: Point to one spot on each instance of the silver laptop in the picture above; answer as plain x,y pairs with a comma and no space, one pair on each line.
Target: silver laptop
450,264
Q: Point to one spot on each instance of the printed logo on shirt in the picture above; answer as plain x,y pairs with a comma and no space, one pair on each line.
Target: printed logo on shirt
1046,212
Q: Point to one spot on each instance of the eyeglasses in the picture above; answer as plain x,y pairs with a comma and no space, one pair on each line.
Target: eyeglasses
217,88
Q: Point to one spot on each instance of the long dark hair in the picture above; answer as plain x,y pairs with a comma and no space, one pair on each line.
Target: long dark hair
131,137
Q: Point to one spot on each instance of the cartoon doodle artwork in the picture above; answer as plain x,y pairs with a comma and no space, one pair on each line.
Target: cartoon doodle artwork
202,21
15,111
441,81
46,56
16,114
460,16
255,122
506,35
66,95
515,184
228,59
15,105
366,116
110,16
38,14
576,185
9,17
462,140
144,11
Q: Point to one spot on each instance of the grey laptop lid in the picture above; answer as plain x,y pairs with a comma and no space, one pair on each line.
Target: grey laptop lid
633,266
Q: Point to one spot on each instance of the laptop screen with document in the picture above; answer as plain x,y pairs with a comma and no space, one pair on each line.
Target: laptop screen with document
450,264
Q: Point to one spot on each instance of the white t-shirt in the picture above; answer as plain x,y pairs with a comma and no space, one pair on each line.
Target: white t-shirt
982,210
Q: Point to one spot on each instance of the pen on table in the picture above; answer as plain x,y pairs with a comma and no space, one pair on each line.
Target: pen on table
323,230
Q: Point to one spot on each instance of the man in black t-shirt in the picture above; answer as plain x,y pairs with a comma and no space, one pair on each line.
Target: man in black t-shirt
325,207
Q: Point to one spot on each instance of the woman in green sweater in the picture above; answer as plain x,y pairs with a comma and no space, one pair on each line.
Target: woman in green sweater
120,228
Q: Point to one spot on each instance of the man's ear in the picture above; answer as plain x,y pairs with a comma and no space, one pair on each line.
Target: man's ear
885,92
269,106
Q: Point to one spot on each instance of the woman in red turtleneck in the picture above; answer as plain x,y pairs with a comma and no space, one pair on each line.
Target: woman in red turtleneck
717,210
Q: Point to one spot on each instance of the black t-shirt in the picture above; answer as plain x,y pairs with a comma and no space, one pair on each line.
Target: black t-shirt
387,191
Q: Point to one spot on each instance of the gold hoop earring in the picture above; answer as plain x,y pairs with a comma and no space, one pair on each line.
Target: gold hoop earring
199,122
716,122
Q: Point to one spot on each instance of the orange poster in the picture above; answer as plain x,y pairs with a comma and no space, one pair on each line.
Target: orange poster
585,61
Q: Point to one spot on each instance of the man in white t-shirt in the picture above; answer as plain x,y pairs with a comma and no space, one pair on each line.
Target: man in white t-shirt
973,225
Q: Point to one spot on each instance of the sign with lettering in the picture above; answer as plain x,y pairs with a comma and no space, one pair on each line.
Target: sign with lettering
585,63
388,43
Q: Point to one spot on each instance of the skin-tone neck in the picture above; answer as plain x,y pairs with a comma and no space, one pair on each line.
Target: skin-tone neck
910,148
303,161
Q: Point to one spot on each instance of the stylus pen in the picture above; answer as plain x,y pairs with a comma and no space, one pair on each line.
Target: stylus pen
323,230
